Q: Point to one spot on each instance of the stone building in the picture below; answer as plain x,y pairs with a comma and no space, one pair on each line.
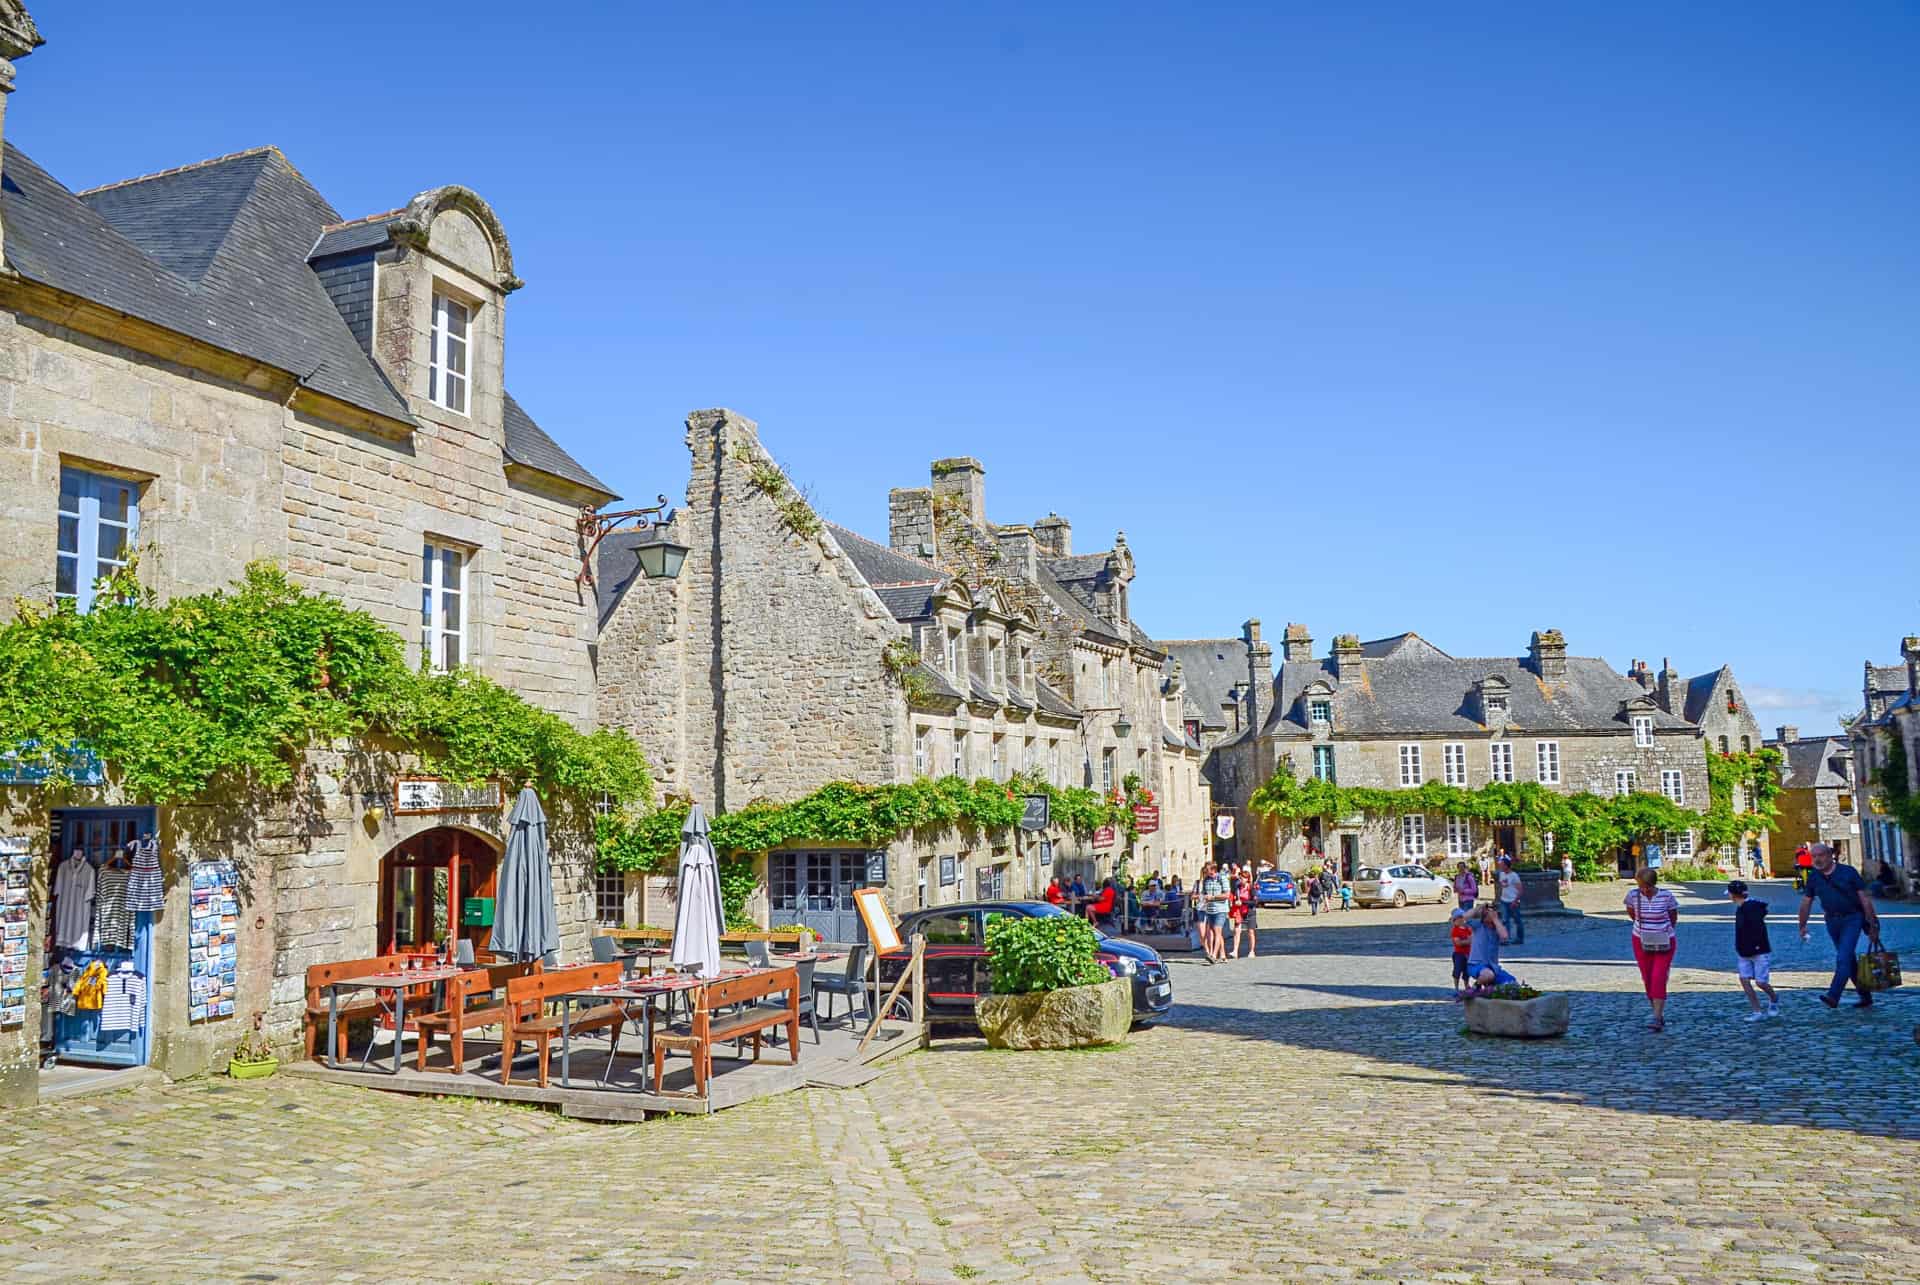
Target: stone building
1816,802
1889,717
1230,690
1715,704
212,365
791,653
1397,712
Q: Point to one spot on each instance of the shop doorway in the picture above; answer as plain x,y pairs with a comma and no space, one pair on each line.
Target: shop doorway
1349,855
88,924
435,888
816,889
1506,840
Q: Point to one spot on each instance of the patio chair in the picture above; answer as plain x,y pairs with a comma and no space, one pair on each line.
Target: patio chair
851,984
463,953
603,949
808,1012
760,954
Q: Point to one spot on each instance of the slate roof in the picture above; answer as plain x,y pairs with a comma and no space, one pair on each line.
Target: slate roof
615,567
1700,692
1421,691
938,682
879,565
1052,702
366,233
1085,566
908,601
1210,667
219,251
1885,680
1810,764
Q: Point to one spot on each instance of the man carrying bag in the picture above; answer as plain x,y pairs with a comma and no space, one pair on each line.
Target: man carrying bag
1849,911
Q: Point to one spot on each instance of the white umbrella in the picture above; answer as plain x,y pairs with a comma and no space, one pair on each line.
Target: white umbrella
696,923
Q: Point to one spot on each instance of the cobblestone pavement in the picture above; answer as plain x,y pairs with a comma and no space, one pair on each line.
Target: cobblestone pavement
1315,1113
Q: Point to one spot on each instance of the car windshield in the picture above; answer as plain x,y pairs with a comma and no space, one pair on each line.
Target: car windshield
1368,872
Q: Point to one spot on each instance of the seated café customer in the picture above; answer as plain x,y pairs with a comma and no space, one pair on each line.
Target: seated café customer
1055,894
1076,888
1101,907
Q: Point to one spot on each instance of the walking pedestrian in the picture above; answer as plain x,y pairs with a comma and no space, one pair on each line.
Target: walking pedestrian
1247,916
1466,888
1802,863
1214,896
1313,892
1483,951
1329,886
1654,913
1848,909
1510,890
1566,875
1752,950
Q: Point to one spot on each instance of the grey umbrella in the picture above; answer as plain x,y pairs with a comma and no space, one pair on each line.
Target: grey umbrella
696,921
525,924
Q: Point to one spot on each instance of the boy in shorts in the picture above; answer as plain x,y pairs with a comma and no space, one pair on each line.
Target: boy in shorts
1754,951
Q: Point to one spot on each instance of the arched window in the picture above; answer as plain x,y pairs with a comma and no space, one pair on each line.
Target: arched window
1723,745
1746,745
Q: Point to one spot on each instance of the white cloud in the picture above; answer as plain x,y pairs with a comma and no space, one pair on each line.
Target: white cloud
1796,698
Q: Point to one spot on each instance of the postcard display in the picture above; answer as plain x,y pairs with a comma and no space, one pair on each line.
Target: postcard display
213,952
16,859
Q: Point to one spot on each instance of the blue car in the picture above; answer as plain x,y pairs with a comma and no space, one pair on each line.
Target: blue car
1276,888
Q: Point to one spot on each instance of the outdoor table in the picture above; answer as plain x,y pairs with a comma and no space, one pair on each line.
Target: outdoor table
640,991
394,984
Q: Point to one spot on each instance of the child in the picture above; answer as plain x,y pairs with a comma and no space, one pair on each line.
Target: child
1755,951
1462,937
1346,896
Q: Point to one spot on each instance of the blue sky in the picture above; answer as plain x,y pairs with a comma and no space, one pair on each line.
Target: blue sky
1468,319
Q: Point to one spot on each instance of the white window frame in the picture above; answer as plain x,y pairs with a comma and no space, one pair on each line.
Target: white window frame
1453,763
1500,761
1459,836
921,737
1673,784
1109,765
1546,758
1413,835
85,508
996,665
1624,780
995,761
960,753
1332,774
447,387
1410,773
953,652
1680,844
1320,712
1496,703
1643,731
434,594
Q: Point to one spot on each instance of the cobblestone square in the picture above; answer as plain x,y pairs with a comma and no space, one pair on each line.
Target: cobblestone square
1313,1114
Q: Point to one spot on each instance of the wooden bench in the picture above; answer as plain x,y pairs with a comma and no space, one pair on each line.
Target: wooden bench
527,1020
470,1004
322,976
710,1026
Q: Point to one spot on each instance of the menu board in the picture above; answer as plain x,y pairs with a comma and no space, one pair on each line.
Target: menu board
213,952
16,866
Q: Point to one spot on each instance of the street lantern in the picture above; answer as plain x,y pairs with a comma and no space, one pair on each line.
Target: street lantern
1121,727
660,558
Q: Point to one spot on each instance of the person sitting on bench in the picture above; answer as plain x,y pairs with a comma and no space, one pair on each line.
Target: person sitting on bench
1101,907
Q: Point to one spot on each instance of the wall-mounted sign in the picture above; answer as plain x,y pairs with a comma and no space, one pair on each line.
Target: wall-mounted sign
948,871
1223,827
1038,813
877,869
1103,837
1654,855
83,766
413,795
1146,818
1046,852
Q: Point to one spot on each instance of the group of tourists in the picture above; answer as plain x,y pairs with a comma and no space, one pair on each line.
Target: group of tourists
1225,901
1325,886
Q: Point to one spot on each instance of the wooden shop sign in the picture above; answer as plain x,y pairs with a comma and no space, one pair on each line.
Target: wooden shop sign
418,795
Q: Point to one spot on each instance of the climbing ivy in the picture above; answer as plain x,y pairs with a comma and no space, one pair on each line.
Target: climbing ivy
231,686
1759,771
1902,803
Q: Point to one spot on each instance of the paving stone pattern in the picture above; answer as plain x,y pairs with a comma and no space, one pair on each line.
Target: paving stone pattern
1312,1114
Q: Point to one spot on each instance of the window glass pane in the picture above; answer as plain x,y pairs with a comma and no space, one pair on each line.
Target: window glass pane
69,535
450,612
65,577
70,485
457,356
115,499
426,607
456,394
450,571
450,654
456,318
113,543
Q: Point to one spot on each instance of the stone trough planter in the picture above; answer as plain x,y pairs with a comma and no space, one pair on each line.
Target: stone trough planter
1540,1018
1065,1019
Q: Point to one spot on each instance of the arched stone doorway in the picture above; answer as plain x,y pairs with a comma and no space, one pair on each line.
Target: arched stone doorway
426,880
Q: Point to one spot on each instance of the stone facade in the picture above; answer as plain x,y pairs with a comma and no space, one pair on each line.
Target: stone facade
1714,703
1816,803
1889,712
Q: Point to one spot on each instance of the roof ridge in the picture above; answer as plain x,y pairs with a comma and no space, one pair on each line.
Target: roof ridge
182,169
364,218
899,584
841,530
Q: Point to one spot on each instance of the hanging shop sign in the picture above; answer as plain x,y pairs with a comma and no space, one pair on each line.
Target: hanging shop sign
16,860
413,795
1146,818
1103,837
213,942
1223,827
83,766
1046,852
877,869
949,871
1038,814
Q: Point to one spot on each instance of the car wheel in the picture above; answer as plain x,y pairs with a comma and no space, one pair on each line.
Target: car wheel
1399,900
1145,1024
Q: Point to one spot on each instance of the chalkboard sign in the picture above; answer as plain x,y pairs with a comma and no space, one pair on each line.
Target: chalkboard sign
948,872
1038,812
877,869
1046,852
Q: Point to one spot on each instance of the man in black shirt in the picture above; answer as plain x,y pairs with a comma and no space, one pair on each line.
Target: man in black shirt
1754,951
1848,908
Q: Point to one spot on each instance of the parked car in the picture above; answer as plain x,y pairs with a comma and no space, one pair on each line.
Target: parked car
1398,885
957,958
1276,888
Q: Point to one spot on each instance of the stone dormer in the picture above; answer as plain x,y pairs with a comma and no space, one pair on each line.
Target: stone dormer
1317,706
1493,701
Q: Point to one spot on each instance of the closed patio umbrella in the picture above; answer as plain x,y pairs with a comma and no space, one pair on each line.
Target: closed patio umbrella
696,923
525,924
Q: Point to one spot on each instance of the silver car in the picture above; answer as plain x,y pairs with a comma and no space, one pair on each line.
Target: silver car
1398,885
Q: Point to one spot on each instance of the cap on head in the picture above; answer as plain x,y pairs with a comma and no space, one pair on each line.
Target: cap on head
1736,887
1458,913
1505,860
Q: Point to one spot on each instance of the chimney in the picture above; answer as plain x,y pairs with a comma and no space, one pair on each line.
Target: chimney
1296,645
1788,734
1547,654
1910,650
1349,665
1055,535
1018,548
910,521
1668,678
964,478
18,38
1259,675
1641,675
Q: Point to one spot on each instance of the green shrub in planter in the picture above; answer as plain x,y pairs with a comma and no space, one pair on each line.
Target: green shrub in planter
1026,956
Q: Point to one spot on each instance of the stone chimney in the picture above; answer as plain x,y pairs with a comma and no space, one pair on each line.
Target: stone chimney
964,478
1259,675
1641,675
1296,645
1349,664
910,521
18,38
1547,655
1055,536
1020,550
1910,650
1669,679
1788,734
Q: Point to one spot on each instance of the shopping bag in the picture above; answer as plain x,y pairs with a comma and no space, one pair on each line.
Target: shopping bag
1877,969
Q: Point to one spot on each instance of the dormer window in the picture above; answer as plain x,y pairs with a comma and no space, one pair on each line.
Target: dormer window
997,664
1496,704
1320,713
448,367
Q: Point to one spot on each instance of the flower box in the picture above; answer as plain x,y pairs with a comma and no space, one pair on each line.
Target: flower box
1540,1018
252,1070
1070,1018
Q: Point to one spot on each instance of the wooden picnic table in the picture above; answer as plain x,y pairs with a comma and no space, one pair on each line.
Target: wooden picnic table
396,984
638,993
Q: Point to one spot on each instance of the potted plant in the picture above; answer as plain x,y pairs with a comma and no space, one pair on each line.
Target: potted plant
253,1058
1049,989
1516,1011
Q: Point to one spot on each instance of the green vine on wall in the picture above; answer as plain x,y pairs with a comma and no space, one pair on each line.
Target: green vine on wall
1759,771
795,513
843,812
1902,803
902,661
231,687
